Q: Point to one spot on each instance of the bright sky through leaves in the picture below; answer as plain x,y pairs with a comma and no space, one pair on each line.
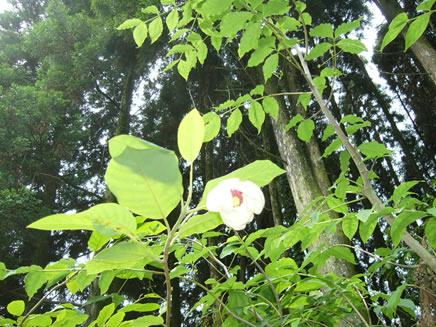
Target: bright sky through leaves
4,5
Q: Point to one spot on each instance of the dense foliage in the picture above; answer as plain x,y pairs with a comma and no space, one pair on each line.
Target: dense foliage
118,119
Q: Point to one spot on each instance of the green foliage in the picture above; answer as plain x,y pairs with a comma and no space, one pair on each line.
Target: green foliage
416,28
146,179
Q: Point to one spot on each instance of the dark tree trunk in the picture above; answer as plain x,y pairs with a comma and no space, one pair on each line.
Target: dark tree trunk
422,49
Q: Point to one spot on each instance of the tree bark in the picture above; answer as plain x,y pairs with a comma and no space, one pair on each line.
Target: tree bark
306,185
422,49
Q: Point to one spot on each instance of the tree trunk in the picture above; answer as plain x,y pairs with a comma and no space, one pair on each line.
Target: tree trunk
305,185
272,187
422,49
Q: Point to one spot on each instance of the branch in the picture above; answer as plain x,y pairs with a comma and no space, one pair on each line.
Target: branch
367,189
45,297
99,90
77,187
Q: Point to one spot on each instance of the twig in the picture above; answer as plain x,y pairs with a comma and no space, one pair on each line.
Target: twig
45,297
273,289
219,301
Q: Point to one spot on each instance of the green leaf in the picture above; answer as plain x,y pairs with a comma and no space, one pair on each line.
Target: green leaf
216,42
270,66
140,307
430,231
147,321
363,215
426,5
212,125
121,256
214,7
329,131
320,83
393,301
352,119
201,48
402,191
172,20
258,90
265,47
351,46
115,320
147,180
130,23
234,121
140,34
350,224
184,69
307,18
16,308
177,271
416,29
304,99
63,222
337,204
260,172
366,228
200,224
271,106
323,30
34,281
119,144
330,72
294,121
256,115
395,28
318,50
332,147
233,22
337,251
250,38
190,135
150,10
111,219
374,149
305,130
155,29
106,280
105,314
275,7
347,27
402,221
354,128
97,241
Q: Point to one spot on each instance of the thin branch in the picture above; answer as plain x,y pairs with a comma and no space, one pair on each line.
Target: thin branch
77,187
367,189
45,297
218,300
99,90
273,289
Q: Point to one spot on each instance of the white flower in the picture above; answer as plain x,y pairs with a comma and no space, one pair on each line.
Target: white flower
236,201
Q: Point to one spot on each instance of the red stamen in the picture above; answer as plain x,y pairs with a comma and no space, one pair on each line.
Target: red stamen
237,194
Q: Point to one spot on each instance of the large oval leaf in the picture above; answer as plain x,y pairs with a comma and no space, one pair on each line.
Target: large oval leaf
146,181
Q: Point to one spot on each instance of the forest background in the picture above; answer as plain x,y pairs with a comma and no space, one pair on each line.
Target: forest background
325,251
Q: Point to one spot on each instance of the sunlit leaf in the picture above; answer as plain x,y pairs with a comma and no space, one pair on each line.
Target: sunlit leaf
147,180
190,135
416,29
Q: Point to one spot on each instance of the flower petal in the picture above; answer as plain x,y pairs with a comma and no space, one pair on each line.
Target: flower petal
253,195
237,218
